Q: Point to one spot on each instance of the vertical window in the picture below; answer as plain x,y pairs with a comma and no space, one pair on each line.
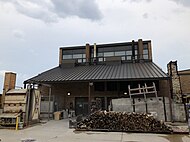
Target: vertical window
145,51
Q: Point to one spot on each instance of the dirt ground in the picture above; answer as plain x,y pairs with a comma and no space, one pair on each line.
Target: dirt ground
58,131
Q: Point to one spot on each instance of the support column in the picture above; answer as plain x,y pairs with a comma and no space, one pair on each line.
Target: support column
170,101
149,51
140,49
49,107
89,96
88,55
60,56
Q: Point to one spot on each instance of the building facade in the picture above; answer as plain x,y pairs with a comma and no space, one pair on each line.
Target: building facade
99,73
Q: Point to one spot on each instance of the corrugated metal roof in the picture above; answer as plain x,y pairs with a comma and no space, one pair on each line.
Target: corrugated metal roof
127,71
17,91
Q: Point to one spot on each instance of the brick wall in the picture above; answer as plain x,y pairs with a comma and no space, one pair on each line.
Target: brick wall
185,82
9,83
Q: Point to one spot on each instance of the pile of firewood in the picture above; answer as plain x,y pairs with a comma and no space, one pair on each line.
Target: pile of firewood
122,121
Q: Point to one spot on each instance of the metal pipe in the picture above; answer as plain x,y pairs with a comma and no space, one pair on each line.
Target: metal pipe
49,103
95,50
164,103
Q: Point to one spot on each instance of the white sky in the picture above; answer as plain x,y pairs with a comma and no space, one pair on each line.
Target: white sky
31,31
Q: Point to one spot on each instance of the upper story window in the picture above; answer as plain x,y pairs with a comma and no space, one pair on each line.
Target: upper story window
78,54
124,51
145,51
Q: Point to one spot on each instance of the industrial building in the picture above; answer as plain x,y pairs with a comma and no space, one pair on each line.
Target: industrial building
97,74
20,107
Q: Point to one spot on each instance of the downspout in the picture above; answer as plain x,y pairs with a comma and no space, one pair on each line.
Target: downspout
95,60
95,50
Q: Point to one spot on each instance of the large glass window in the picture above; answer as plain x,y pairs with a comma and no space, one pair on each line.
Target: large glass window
101,54
108,54
145,51
100,59
128,58
129,52
124,51
119,53
78,54
67,56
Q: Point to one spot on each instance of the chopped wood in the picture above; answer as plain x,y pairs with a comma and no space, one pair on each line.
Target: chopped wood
122,121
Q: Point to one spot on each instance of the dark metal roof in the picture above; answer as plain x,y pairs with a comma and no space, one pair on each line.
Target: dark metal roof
127,71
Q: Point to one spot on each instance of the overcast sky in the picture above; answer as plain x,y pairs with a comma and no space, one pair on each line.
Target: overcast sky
31,31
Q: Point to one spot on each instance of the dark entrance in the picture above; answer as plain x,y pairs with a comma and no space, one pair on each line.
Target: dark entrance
81,105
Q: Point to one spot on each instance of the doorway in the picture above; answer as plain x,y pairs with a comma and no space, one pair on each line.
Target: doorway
81,106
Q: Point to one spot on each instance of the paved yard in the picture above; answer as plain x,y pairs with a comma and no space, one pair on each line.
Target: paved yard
57,131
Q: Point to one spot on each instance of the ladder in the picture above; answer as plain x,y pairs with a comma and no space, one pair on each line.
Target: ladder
142,90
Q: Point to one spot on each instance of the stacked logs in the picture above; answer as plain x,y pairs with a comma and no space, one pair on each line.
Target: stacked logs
122,121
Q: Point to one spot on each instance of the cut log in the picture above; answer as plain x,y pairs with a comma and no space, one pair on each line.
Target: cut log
122,121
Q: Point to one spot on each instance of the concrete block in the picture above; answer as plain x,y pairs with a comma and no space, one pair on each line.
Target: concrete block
139,101
166,100
178,112
122,104
140,108
140,105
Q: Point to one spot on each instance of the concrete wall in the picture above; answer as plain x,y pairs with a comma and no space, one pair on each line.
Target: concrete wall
178,112
159,107
122,104
155,106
